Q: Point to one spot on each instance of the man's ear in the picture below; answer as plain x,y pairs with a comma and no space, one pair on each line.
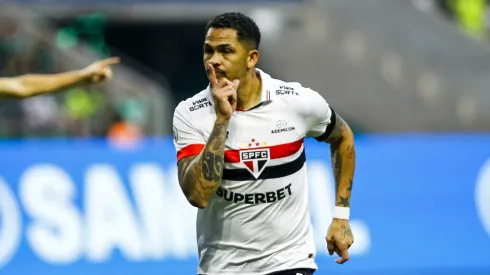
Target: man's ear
253,58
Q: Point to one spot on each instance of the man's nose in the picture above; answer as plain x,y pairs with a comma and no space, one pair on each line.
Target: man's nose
215,60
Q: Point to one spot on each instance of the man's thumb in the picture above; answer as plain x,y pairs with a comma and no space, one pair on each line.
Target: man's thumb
236,82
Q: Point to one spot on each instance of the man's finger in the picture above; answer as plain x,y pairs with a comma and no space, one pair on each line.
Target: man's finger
330,246
227,92
236,82
345,256
108,73
110,61
224,88
232,97
212,75
226,82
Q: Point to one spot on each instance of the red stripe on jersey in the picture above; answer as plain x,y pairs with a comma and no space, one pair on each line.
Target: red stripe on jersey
189,150
276,151
233,156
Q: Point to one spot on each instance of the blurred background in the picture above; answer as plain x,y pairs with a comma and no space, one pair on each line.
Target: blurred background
412,78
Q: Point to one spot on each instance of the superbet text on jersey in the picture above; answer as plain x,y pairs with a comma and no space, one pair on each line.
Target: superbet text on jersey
258,222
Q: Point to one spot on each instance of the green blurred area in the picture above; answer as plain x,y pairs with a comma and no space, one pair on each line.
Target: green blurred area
80,110
19,55
88,28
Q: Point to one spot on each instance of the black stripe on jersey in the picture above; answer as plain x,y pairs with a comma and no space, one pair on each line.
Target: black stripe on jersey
263,103
330,126
270,172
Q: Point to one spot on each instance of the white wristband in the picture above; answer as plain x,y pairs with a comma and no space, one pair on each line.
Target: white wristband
342,213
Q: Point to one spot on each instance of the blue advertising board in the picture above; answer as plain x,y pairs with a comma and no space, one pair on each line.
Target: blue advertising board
420,205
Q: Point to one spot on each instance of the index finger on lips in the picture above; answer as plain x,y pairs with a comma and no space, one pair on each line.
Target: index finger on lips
212,76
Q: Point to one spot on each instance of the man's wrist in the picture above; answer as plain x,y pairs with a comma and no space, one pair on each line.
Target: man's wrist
82,75
342,213
221,121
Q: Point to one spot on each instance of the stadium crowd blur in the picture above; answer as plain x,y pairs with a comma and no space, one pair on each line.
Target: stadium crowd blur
472,16
81,111
87,111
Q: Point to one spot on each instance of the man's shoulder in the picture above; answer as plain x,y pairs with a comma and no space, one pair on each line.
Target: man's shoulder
199,101
289,90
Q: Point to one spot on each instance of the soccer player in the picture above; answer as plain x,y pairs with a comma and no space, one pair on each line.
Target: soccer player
32,85
241,161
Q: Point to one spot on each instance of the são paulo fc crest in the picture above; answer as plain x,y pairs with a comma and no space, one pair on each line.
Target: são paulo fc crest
255,160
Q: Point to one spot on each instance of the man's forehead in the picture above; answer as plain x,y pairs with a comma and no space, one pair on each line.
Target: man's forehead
218,36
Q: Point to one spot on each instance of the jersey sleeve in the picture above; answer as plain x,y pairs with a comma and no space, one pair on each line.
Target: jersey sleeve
188,140
320,117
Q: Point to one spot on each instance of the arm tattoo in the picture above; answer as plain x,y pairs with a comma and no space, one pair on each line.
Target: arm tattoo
337,133
344,202
345,232
212,166
337,164
212,158
200,178
343,155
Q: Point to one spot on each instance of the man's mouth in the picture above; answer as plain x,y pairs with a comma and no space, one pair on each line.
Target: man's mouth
218,73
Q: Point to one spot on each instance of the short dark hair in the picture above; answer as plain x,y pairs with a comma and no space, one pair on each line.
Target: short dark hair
247,30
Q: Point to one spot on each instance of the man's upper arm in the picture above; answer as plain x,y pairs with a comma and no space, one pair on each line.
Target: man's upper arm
188,140
183,164
323,123
339,130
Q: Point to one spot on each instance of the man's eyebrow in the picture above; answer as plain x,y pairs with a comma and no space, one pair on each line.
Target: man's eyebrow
224,45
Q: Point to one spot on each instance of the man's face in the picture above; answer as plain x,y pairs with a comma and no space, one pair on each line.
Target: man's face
227,55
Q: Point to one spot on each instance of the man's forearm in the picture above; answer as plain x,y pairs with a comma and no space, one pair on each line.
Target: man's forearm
343,160
38,84
31,84
203,175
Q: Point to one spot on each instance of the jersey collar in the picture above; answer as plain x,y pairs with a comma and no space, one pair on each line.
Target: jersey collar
265,96
266,86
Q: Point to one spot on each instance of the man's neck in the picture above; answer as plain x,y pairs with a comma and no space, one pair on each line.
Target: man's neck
250,92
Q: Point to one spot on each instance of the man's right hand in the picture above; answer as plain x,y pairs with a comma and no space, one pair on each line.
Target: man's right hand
224,95
99,70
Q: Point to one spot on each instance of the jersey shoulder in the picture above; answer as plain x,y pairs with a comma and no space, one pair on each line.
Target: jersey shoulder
290,90
197,105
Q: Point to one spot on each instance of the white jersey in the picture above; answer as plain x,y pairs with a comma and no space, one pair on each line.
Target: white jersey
258,221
